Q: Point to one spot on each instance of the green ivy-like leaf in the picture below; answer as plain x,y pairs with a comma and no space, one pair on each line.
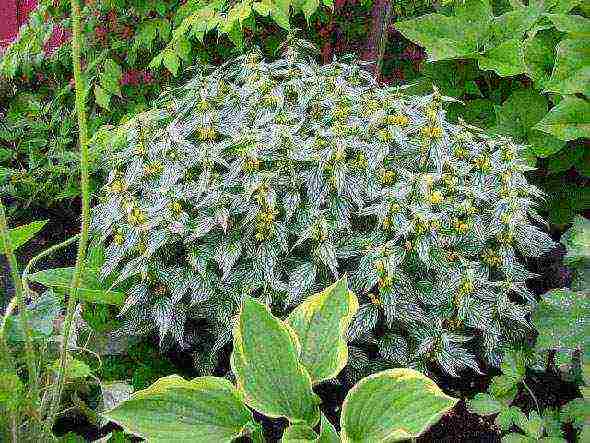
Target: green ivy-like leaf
22,234
484,404
575,25
321,322
174,409
577,242
392,405
571,73
42,314
268,372
569,120
562,318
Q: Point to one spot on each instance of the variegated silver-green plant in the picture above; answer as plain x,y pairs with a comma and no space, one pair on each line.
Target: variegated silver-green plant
276,364
274,178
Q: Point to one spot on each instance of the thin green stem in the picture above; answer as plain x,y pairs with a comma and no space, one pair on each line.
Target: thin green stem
533,396
85,188
22,305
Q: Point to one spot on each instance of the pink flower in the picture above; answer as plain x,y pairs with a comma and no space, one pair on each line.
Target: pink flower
58,37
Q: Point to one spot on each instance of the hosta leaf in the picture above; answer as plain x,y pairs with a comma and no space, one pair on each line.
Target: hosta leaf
321,322
569,120
301,433
571,73
90,290
268,372
392,405
562,318
506,59
22,234
174,409
484,404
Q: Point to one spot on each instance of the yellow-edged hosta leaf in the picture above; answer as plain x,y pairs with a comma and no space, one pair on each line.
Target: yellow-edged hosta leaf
175,410
321,322
392,405
266,363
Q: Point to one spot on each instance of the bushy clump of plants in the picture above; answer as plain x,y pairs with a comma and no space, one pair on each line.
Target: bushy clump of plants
274,178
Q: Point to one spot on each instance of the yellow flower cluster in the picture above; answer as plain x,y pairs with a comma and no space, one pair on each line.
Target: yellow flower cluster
387,176
461,226
136,217
436,198
207,133
491,257
118,186
251,164
432,131
153,168
397,119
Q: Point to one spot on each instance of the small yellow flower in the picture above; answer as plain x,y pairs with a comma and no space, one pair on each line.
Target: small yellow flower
397,119
153,168
385,282
461,226
483,163
118,186
379,266
136,217
341,112
432,131
491,258
374,300
251,164
436,198
139,150
118,238
387,177
384,135
431,114
176,207
339,155
207,133
466,287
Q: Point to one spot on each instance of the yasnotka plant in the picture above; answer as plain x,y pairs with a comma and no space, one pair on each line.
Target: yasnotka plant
273,178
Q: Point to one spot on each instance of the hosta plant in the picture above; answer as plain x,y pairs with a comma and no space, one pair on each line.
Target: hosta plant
276,363
274,178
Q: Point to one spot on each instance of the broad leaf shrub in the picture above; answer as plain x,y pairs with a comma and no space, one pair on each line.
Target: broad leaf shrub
274,178
274,378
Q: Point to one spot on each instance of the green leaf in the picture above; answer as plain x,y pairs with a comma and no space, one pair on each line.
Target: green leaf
569,120
443,37
517,115
543,144
103,99
563,6
392,405
265,362
577,242
509,416
261,8
90,290
484,404
514,24
320,323
42,314
571,73
301,433
171,61
22,234
74,368
539,54
576,411
506,59
565,159
309,7
110,77
517,438
174,409
280,16
575,25
562,318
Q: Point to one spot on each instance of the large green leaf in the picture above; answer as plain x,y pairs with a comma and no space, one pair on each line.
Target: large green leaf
514,24
443,37
569,120
90,290
392,405
321,322
175,410
22,234
562,318
484,404
539,54
506,59
265,360
571,73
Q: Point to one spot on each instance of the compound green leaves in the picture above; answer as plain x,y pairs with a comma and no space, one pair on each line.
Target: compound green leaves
174,409
392,405
321,322
266,363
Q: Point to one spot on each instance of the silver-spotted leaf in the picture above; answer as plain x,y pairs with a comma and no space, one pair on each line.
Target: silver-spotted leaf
266,363
174,409
392,405
321,322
